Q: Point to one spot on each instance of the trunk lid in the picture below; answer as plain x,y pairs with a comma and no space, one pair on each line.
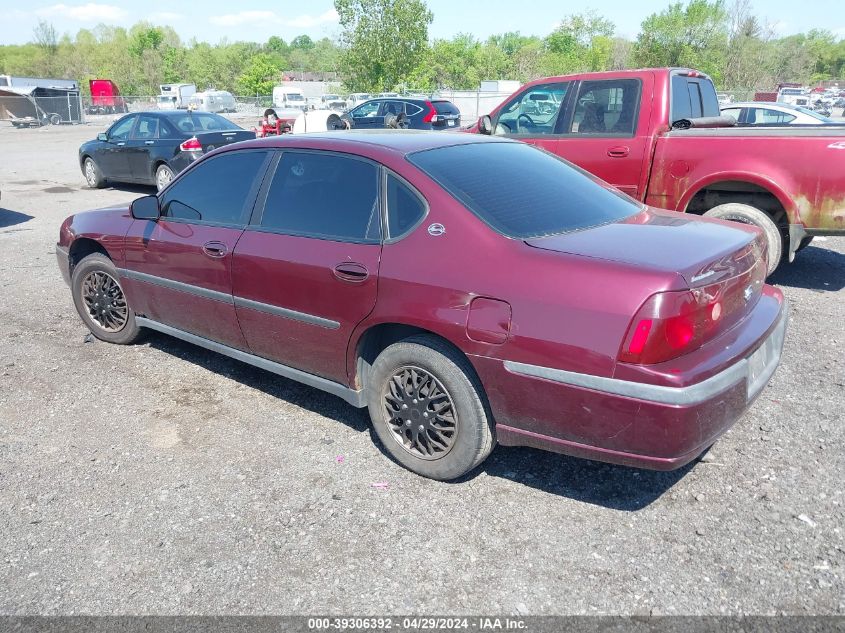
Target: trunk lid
212,140
702,250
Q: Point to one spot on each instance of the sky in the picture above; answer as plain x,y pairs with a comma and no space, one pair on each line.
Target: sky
252,20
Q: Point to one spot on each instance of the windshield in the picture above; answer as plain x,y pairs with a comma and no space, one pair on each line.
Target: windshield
791,91
331,98
521,191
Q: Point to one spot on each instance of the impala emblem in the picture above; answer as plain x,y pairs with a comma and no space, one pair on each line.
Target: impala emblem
436,229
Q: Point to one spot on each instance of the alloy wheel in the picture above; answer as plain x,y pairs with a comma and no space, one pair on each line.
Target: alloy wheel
104,301
90,176
420,413
163,177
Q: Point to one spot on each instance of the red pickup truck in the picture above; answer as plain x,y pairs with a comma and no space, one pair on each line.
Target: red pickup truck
657,135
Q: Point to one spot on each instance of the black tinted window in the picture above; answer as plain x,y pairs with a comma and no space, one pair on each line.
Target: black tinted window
404,207
216,190
120,130
324,195
693,98
522,191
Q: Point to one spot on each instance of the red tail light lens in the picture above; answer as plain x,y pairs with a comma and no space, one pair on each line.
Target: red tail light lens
671,324
191,145
432,113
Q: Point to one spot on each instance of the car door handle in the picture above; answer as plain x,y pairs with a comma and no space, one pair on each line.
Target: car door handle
121,144
351,272
619,152
149,142
214,249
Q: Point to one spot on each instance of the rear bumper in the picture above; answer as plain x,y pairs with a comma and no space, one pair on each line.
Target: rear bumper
625,422
63,260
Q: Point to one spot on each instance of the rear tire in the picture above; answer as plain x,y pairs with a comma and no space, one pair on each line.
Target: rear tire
428,409
93,175
164,175
746,214
100,302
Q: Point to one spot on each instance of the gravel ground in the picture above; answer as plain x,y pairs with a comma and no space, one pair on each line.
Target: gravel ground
161,478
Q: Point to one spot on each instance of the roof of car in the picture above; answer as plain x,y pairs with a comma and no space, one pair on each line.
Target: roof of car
400,141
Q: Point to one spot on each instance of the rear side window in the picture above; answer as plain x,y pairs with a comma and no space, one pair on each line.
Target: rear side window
445,107
521,191
147,127
216,190
693,98
405,208
325,196
195,122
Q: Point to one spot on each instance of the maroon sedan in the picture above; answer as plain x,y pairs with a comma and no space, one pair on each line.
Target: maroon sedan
467,290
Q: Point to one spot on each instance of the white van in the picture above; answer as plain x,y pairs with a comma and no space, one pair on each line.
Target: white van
213,101
175,96
284,97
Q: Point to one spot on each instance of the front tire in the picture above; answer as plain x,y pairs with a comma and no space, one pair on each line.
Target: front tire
100,302
746,214
428,409
93,175
164,175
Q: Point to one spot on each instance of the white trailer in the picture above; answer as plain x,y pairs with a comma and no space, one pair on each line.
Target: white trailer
175,96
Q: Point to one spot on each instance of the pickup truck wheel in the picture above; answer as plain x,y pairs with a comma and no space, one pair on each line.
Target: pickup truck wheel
746,214
99,300
428,409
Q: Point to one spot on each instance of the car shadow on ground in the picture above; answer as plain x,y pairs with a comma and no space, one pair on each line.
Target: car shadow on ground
814,268
137,190
11,218
613,487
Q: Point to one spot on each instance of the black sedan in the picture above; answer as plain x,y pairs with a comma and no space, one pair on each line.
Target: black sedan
151,147
411,113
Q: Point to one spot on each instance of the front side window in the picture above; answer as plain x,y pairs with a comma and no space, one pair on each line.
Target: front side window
327,196
120,130
368,109
608,108
405,207
533,112
216,190
521,191
147,127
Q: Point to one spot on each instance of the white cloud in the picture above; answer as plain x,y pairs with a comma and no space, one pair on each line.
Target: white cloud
308,21
271,17
165,17
90,12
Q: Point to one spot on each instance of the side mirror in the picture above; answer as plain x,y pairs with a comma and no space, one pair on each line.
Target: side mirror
146,208
485,125
102,136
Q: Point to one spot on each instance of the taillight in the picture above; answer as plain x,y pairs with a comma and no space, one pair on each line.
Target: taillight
191,145
432,113
671,324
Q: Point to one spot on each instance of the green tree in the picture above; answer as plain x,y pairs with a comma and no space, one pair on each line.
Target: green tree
302,42
382,41
260,75
695,35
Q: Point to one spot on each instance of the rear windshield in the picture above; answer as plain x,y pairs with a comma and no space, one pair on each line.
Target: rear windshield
191,122
521,191
445,107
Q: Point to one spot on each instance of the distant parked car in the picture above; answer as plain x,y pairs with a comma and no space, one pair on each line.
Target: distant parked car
763,113
357,98
414,114
332,102
151,147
